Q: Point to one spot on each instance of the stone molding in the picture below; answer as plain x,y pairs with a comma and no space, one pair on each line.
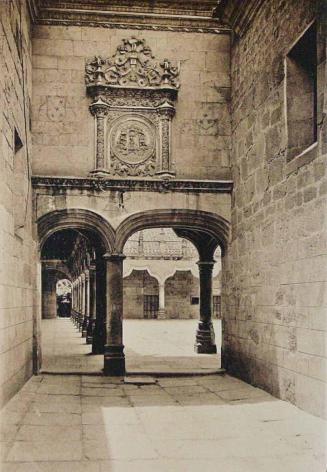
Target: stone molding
187,16
131,185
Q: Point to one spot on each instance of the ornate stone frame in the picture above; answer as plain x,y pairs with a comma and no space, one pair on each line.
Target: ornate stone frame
132,86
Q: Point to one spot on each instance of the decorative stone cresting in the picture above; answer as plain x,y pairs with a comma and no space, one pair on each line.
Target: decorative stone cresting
133,104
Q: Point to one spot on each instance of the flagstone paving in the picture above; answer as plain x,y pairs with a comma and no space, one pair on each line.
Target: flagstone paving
210,423
95,424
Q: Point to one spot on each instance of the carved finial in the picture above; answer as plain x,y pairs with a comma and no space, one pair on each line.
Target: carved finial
132,65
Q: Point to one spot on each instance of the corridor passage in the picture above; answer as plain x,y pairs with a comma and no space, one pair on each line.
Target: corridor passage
151,346
79,423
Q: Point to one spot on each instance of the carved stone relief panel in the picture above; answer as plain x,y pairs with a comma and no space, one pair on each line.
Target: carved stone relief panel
133,104
132,146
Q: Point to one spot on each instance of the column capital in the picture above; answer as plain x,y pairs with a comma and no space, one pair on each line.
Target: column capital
114,256
203,264
99,108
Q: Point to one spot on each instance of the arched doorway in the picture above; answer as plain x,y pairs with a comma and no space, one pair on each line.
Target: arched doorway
207,232
162,267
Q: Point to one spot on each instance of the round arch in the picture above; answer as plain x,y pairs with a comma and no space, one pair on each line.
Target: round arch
79,219
205,222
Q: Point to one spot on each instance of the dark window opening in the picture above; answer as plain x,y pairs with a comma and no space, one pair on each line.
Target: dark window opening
18,142
150,306
217,306
195,300
301,90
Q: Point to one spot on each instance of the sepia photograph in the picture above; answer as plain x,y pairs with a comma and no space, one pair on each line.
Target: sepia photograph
163,236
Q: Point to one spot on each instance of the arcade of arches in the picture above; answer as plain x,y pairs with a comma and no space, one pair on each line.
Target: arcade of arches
196,127
96,272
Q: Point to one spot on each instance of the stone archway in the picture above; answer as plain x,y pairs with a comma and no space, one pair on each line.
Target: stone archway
98,234
76,218
214,226
206,230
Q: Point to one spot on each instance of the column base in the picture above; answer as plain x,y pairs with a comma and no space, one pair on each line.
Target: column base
89,331
205,339
114,360
161,314
98,339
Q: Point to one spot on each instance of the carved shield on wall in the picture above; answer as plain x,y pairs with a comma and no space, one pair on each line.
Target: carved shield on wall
132,145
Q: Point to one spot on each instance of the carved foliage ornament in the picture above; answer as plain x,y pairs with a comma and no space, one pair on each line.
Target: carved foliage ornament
132,65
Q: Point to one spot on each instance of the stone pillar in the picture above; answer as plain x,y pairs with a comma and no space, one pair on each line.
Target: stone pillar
72,296
205,336
100,109
166,112
92,313
49,296
86,303
161,311
98,339
78,294
83,291
114,358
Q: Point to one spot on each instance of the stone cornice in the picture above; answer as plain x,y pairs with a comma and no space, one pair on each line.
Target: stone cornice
238,15
129,185
186,16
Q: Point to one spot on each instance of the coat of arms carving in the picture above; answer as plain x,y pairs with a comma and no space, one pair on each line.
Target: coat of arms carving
133,104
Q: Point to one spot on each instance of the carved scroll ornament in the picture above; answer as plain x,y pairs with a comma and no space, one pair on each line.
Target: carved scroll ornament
132,65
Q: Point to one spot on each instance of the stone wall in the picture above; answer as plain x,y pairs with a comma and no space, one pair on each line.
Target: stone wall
19,273
63,127
136,285
179,289
274,303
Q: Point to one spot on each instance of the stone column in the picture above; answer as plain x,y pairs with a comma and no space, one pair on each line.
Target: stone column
99,110
49,296
114,358
92,313
86,303
78,294
72,296
161,311
98,338
205,336
166,112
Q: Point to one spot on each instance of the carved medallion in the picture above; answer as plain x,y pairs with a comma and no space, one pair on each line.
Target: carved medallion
132,141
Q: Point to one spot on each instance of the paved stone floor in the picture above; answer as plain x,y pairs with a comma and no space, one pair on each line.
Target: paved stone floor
150,346
94,424
210,423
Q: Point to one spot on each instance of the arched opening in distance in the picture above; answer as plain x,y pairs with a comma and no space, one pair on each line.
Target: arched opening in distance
64,297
